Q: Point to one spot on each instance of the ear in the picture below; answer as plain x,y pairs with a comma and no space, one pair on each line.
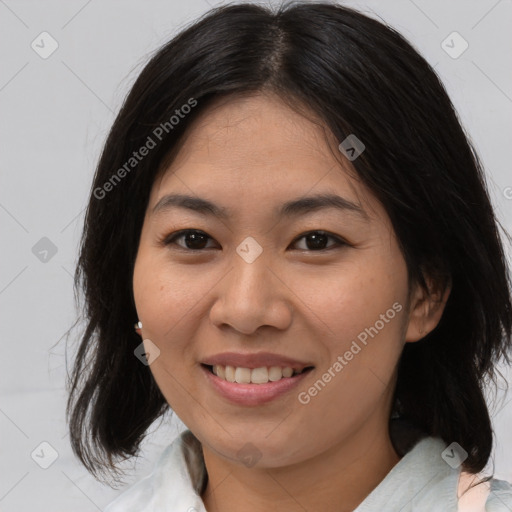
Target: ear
426,310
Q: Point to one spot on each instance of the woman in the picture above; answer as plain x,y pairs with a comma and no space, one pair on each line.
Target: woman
336,376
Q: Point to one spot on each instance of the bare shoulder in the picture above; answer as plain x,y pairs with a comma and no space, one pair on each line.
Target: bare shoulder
500,496
477,494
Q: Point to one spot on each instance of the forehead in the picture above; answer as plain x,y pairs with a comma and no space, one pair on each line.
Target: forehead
253,129
258,146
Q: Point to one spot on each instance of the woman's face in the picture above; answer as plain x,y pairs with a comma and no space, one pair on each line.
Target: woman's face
324,286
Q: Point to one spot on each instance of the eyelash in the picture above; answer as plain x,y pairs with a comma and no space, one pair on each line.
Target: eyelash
171,239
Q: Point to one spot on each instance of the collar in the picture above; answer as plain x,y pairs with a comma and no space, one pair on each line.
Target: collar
421,481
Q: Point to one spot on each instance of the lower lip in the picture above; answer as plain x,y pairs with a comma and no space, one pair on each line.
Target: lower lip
253,394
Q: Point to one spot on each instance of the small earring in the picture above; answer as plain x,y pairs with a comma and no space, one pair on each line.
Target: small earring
138,327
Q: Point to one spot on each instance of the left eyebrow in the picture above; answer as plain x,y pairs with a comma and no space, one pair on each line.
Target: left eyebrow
293,208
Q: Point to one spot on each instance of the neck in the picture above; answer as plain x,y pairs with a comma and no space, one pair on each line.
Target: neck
337,480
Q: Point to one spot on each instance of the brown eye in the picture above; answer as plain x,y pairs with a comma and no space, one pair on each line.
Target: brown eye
317,240
195,240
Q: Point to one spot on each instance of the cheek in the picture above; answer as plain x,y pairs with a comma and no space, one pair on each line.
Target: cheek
354,295
363,309
364,313
164,293
165,303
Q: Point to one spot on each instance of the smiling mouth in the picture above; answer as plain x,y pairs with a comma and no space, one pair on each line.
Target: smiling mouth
262,375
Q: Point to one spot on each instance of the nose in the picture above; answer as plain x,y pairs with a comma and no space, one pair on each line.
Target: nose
250,296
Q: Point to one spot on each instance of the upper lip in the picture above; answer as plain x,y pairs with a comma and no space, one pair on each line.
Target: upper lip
256,360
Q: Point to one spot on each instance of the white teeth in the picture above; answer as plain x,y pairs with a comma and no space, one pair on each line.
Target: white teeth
243,375
275,373
287,372
229,373
260,375
221,372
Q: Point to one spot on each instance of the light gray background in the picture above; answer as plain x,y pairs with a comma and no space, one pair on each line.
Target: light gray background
55,114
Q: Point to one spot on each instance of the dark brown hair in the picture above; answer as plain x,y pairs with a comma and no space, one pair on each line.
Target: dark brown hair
359,76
